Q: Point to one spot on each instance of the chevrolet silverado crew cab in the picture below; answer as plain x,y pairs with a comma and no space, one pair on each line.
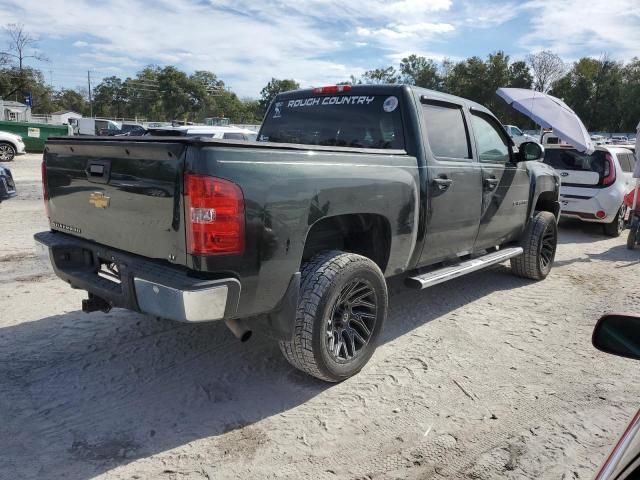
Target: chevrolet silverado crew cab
295,234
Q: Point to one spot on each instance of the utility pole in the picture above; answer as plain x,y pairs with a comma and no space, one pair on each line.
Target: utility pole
90,101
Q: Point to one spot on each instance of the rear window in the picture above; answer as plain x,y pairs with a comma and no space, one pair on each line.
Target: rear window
569,159
235,136
361,121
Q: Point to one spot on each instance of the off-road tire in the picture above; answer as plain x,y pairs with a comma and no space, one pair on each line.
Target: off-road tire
616,227
7,152
324,279
532,264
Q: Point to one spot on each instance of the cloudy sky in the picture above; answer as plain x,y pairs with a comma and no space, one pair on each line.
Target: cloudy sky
313,41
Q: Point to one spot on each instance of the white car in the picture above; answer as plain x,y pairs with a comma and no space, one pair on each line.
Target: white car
517,135
10,146
593,186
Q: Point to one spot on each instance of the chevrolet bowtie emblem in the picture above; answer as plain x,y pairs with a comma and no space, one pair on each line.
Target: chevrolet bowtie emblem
99,200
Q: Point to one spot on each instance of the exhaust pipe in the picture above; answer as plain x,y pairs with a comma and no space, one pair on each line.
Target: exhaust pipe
239,329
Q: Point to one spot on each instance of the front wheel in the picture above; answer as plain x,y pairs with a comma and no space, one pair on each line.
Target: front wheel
7,152
539,243
615,228
341,310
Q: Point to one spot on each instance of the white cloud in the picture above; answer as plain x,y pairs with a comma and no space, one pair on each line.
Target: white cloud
314,41
403,31
574,28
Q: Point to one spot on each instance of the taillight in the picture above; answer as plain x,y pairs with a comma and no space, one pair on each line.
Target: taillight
332,89
214,211
45,189
609,175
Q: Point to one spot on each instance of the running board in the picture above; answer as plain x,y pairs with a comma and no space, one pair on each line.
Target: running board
435,277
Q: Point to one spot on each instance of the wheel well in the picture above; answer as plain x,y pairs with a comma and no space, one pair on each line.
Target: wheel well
366,234
547,202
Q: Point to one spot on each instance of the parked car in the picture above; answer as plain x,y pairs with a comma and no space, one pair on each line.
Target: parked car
10,146
593,186
619,334
517,135
348,186
619,140
7,185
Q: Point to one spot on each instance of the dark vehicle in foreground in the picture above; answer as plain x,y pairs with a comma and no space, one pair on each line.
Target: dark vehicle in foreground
620,335
7,184
296,234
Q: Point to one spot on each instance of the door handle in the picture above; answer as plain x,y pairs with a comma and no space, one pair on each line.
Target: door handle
491,183
443,183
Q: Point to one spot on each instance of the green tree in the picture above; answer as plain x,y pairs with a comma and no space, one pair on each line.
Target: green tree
520,76
380,76
420,71
67,99
273,88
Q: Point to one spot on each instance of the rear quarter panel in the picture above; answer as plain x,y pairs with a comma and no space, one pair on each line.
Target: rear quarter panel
287,191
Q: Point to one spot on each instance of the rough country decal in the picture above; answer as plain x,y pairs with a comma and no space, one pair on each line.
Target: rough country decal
319,101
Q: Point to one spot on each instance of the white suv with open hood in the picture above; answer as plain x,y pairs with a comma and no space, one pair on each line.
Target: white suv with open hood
593,186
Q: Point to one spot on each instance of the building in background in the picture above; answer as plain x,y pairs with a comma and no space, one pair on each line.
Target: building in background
11,111
63,116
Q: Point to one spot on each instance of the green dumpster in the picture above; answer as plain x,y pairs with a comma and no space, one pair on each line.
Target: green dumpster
34,134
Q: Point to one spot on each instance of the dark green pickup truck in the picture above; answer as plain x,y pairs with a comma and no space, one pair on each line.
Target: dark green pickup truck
295,234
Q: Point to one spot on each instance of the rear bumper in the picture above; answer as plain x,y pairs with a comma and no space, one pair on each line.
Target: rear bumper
145,285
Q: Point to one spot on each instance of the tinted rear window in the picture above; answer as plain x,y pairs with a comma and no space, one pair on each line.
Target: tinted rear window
361,121
568,159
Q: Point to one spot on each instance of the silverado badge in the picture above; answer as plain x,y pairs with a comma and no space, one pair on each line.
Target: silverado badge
99,200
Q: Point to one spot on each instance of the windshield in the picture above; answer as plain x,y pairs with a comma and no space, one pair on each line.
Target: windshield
362,121
569,159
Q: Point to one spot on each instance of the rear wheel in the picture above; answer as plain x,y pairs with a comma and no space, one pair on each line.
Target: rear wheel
539,243
340,314
634,235
7,152
615,228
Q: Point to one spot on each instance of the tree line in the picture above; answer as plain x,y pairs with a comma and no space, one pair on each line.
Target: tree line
603,92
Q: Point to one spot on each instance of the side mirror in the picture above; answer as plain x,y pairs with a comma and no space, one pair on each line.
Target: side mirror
618,334
529,151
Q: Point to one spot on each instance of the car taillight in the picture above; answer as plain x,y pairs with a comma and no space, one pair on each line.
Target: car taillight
332,89
45,189
214,211
609,175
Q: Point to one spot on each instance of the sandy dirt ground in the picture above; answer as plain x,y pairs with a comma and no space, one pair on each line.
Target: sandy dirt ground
487,376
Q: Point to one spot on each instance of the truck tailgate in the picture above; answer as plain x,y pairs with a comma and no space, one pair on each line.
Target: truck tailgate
126,195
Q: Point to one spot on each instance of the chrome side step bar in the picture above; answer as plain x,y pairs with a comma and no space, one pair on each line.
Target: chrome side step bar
435,277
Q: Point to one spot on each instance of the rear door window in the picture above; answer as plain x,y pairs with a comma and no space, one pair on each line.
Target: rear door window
360,121
447,130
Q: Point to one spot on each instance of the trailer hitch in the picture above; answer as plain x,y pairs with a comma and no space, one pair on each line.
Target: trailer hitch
95,304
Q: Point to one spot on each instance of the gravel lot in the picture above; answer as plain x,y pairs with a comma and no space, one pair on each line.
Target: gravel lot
487,376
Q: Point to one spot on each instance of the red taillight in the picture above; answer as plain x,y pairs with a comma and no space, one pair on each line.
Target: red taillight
609,175
214,211
45,189
601,214
332,89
